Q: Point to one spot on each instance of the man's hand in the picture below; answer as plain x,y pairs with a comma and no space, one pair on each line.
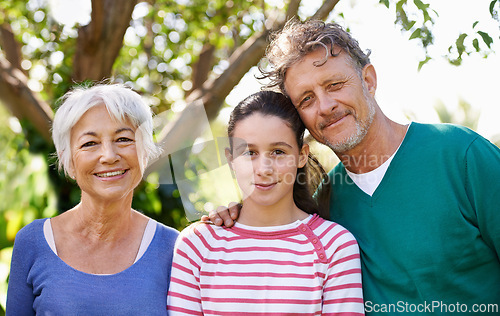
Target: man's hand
223,215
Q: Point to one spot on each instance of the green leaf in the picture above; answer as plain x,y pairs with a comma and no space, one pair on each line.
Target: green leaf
422,6
492,8
460,44
385,2
486,38
475,43
417,33
423,62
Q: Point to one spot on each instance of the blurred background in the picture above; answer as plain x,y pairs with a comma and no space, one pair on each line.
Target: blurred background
437,61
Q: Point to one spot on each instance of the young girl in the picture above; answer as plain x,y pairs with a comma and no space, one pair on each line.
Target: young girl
280,258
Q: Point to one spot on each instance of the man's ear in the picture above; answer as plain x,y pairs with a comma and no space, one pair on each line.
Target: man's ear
370,78
229,157
303,155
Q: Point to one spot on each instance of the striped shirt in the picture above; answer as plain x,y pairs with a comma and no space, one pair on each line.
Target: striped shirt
310,267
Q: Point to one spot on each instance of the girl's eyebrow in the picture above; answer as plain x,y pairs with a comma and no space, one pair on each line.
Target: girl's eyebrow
282,144
242,145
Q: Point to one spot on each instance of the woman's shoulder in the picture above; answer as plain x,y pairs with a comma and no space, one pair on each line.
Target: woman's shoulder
165,230
164,236
32,232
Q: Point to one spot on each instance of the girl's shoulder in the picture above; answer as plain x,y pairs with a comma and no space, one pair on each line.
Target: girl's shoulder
330,230
198,229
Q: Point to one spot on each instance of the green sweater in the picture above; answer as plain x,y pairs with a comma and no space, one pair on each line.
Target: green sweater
430,234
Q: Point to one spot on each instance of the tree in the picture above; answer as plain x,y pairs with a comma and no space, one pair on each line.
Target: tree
176,53
203,46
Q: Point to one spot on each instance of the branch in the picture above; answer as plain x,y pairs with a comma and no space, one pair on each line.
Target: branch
100,41
212,94
10,46
215,91
22,101
324,10
293,9
202,66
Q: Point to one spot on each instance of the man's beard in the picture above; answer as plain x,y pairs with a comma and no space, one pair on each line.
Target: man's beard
362,128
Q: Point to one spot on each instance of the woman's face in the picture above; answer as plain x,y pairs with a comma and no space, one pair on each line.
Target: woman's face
104,159
265,159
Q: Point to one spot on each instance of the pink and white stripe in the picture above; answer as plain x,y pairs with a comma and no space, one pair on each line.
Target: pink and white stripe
311,269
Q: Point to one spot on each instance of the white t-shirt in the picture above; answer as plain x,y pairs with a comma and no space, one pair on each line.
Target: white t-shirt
369,181
148,235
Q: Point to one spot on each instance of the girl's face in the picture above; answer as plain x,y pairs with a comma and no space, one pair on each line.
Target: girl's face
265,159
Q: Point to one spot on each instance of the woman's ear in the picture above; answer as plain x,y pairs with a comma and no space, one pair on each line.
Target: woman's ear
70,170
229,157
303,155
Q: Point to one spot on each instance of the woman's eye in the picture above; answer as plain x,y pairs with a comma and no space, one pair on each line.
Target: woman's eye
124,139
278,152
88,144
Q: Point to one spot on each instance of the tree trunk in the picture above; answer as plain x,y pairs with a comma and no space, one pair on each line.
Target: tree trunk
22,101
186,128
100,41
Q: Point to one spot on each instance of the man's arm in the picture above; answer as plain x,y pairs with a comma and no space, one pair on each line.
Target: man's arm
223,215
483,188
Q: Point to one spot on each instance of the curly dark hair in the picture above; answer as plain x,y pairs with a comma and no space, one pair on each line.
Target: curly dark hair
298,39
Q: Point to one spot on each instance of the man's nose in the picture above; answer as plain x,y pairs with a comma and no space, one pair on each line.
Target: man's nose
326,103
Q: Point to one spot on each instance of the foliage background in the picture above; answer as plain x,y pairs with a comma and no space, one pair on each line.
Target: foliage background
173,53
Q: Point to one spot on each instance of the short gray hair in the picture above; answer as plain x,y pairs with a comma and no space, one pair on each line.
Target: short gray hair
121,102
298,39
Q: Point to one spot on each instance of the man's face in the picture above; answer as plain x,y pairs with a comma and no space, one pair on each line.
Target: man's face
335,103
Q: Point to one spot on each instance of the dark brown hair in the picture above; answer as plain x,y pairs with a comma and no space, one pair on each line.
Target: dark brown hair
308,193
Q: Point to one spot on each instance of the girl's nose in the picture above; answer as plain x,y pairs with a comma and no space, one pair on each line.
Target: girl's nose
264,166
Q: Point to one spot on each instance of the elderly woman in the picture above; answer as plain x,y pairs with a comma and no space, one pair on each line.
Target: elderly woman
101,257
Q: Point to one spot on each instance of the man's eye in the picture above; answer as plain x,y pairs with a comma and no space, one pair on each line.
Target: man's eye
305,102
335,86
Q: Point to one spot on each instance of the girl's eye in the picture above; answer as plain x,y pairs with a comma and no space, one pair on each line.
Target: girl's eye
278,152
248,153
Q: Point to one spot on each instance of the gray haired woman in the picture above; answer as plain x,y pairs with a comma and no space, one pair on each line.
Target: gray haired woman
101,257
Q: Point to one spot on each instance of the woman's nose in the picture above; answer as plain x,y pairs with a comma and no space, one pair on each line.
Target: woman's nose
109,153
